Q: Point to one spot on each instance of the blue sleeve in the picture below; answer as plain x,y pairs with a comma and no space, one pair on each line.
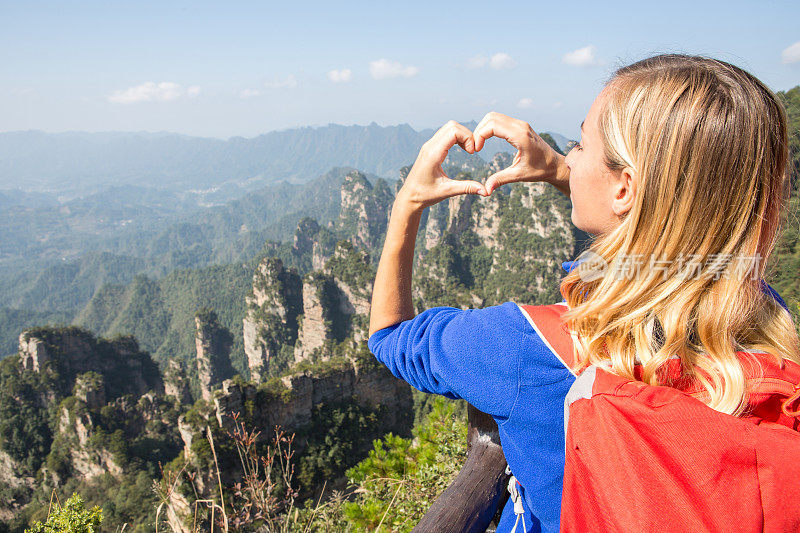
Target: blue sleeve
767,288
472,354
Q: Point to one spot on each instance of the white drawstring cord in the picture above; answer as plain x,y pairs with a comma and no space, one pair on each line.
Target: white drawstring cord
517,499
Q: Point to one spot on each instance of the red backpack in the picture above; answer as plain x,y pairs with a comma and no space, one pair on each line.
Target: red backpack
656,458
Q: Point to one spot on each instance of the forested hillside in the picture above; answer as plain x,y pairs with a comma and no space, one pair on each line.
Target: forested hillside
98,234
47,266
785,264
54,260
159,312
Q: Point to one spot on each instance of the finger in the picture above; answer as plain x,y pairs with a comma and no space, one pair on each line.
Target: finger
494,128
478,140
461,135
507,175
469,144
491,116
448,136
501,126
455,187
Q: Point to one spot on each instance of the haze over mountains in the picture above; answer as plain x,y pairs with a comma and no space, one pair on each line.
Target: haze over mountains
76,164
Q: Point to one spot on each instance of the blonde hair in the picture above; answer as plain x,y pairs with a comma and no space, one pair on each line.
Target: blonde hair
708,144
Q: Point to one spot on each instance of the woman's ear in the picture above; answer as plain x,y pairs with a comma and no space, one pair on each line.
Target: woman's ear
624,192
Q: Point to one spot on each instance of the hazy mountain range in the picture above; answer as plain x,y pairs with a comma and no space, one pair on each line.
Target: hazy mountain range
76,164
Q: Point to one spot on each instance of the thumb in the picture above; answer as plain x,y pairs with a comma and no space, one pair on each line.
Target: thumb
507,175
456,187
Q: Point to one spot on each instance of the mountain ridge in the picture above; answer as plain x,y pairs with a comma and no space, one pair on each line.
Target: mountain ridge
76,164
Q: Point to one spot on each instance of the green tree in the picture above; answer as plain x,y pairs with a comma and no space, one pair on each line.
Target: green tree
400,479
71,518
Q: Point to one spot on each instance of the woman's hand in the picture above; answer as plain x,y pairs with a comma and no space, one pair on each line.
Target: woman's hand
535,159
427,184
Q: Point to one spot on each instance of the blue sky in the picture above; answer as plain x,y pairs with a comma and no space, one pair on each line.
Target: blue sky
220,69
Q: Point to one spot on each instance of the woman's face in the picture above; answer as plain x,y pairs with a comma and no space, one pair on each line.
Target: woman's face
595,190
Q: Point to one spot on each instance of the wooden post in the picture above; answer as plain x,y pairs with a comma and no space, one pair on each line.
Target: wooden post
471,500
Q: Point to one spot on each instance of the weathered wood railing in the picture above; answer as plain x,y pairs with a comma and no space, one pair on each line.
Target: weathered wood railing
471,500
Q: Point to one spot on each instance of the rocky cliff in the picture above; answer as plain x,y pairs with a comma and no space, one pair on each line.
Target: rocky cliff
78,407
69,352
213,344
363,213
290,404
176,382
289,314
474,251
272,310
298,404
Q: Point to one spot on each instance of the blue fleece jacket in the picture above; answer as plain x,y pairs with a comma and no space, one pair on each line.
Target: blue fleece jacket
494,359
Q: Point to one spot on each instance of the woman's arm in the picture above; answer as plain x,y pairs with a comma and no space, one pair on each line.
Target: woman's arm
426,184
473,354
391,294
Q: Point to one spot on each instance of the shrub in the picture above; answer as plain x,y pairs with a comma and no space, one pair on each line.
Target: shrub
71,518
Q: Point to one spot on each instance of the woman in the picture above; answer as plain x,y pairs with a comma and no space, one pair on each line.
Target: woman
680,157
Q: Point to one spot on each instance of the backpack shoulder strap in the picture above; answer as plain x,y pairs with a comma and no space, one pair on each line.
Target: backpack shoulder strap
546,321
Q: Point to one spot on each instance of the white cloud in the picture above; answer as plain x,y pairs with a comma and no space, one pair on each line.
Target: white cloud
525,103
340,76
150,91
502,61
582,57
558,105
478,61
249,93
384,69
289,82
791,54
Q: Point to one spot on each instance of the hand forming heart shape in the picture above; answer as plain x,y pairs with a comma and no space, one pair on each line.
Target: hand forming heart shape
535,160
427,183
